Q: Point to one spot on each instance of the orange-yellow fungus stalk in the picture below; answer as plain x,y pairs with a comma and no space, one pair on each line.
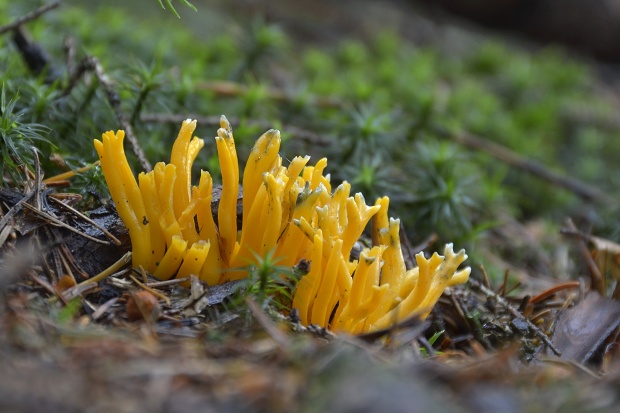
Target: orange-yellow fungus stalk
227,210
290,211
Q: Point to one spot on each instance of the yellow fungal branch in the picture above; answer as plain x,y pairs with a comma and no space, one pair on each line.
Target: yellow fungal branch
290,210
227,210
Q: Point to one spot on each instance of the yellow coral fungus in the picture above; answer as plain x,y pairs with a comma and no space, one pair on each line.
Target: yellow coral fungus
289,211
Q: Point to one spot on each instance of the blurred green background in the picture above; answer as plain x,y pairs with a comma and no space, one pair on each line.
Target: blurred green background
373,86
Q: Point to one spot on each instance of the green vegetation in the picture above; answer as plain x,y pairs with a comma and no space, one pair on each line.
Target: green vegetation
18,139
483,143
372,108
270,283
171,7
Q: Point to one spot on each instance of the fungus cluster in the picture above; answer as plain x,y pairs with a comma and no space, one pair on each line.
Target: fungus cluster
291,211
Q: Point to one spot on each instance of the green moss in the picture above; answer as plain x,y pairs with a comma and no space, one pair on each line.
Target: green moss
376,104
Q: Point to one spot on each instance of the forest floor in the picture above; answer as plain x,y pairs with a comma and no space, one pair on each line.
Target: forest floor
103,347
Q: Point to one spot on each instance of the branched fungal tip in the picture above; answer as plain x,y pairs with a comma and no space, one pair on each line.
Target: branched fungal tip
164,213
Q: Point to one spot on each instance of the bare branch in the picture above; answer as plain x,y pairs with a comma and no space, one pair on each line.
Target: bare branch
516,160
28,17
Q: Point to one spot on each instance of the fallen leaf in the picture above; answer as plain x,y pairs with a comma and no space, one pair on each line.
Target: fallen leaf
582,329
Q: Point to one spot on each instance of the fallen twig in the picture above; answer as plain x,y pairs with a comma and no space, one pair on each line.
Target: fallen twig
269,326
15,209
571,365
149,289
551,291
124,260
46,285
55,221
77,290
68,46
597,283
167,283
38,181
103,308
406,247
115,102
476,331
229,88
92,64
87,219
68,258
516,160
506,305
295,131
28,17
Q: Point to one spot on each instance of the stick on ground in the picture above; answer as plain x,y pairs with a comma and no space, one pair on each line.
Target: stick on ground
506,305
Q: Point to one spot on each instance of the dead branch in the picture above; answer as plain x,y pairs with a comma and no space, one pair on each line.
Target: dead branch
506,305
34,56
68,46
504,154
270,327
28,17
229,88
597,283
87,219
15,209
92,64
115,102
55,221
297,132
178,118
